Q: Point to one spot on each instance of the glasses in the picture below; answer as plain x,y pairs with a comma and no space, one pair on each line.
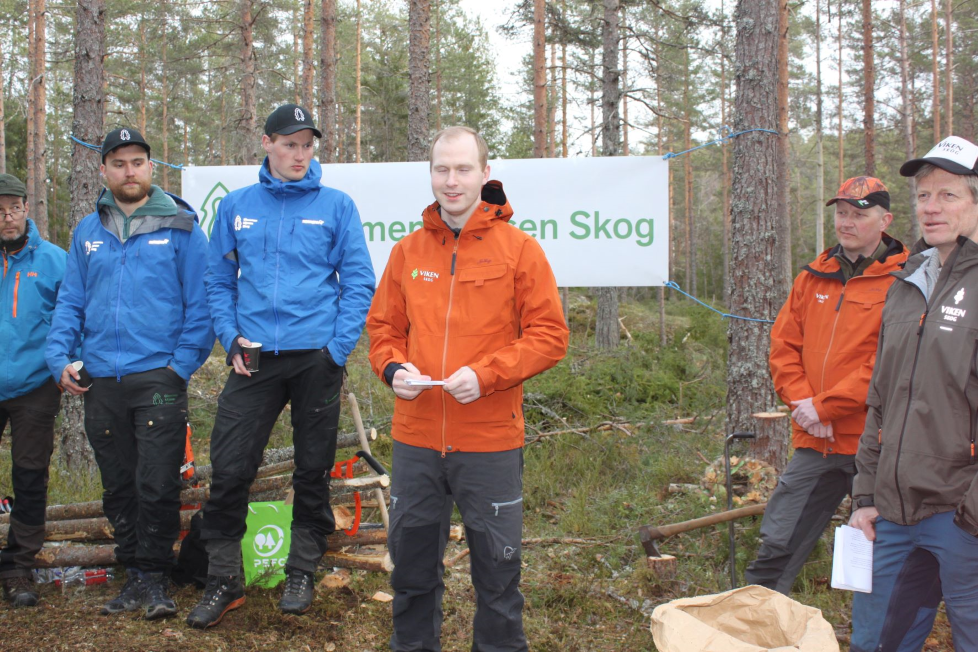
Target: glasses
13,213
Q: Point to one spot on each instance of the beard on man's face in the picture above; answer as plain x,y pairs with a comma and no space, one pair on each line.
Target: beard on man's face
130,193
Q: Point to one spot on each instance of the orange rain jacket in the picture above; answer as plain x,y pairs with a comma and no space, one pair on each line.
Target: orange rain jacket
823,344
486,298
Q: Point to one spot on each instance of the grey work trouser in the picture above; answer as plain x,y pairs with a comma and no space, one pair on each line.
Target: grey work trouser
808,493
488,489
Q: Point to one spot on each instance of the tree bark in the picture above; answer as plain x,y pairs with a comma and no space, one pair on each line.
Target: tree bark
758,285
725,163
949,66
624,83
907,118
783,129
437,50
936,53
552,104
327,81
308,55
87,124
869,83
3,121
248,120
607,333
820,165
165,103
539,80
689,237
37,162
358,75
842,140
419,93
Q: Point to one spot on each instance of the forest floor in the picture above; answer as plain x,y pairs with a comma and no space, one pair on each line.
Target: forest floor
594,487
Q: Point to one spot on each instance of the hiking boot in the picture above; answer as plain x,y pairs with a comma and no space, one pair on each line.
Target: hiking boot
130,598
20,591
297,597
221,594
156,596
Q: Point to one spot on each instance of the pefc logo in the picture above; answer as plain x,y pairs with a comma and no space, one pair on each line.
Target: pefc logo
124,135
88,246
268,540
237,222
299,115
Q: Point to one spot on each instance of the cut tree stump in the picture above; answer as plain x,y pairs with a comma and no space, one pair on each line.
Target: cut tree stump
664,568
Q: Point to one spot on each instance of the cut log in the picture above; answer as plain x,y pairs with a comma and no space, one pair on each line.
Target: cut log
378,563
54,557
664,568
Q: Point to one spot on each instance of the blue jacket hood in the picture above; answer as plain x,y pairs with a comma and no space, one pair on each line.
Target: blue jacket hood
312,180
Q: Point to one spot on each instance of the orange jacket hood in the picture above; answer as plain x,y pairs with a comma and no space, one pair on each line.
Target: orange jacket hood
486,299
823,344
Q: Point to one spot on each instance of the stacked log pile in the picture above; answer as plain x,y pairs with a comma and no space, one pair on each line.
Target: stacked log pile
80,533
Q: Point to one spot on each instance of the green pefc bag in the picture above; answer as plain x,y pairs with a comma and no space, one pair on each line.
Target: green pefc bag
265,546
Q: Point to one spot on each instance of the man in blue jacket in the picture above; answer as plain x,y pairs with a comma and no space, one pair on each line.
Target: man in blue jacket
288,267
133,300
29,397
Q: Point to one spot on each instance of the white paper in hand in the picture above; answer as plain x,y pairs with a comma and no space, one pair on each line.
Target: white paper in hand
410,382
852,560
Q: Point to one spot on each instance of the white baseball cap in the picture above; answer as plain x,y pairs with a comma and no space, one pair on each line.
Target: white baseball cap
954,154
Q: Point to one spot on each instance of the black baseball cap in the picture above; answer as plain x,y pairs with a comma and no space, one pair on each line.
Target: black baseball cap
953,154
288,119
122,137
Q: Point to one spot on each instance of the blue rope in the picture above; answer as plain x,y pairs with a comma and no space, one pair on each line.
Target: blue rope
726,315
99,149
718,140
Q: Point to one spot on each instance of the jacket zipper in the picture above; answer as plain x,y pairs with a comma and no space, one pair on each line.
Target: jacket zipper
17,287
825,361
913,372
444,353
118,308
278,262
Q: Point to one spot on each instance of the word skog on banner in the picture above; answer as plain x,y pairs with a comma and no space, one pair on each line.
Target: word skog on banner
601,221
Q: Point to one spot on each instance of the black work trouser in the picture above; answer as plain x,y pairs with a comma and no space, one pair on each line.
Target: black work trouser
488,489
138,427
31,418
246,411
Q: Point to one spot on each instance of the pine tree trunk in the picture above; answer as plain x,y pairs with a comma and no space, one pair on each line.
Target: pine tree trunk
842,140
3,121
936,53
36,134
563,100
419,94
359,79
907,118
327,81
88,101
949,67
869,82
539,80
689,238
248,120
552,105
758,285
783,128
437,50
142,78
725,182
308,55
820,165
165,106
624,84
607,330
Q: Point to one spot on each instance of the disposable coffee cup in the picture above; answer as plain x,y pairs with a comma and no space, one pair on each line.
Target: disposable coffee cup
251,355
84,378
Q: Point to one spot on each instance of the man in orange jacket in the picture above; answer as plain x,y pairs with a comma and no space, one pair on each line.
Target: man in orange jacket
823,348
472,300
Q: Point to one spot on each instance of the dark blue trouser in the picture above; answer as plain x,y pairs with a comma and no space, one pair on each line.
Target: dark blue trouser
913,565
488,489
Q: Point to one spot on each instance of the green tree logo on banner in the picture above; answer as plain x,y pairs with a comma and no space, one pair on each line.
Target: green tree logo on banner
208,209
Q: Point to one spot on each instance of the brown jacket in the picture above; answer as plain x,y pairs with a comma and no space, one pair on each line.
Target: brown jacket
917,453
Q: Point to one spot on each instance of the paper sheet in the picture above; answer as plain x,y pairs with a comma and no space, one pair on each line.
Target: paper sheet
852,560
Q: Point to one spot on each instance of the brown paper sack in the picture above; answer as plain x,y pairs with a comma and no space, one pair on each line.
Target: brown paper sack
749,619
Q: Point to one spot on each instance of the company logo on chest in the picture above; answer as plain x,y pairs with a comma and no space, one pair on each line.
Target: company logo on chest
243,222
953,313
92,246
424,274
821,298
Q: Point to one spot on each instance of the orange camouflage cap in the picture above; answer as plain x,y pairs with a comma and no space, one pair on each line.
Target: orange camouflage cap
863,192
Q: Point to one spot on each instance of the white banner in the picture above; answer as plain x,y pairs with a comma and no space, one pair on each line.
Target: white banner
601,221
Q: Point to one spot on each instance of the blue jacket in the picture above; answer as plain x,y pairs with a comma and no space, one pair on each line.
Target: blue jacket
28,291
305,281
137,305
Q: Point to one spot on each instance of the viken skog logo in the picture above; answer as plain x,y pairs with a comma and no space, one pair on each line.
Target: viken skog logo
268,540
